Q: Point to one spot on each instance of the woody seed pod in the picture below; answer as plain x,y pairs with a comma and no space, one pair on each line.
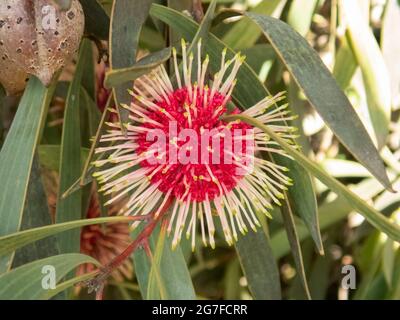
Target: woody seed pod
37,37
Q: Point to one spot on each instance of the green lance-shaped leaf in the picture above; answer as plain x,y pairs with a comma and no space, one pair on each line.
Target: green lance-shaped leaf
302,199
116,77
258,55
178,5
36,214
16,156
204,27
66,285
170,279
127,19
245,34
13,241
32,281
97,22
202,34
69,209
378,220
388,260
340,168
375,74
89,82
291,231
245,95
259,265
322,91
156,287
301,22
49,156
345,65
391,48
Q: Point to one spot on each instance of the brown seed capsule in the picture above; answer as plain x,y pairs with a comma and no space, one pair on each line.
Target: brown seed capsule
38,36
13,79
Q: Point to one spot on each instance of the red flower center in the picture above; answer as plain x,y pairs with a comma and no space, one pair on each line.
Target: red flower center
196,167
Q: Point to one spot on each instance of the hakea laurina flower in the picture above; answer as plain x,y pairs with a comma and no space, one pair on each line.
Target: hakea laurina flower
178,147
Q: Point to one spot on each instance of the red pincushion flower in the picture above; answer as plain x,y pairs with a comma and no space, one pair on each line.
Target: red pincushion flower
201,174
178,146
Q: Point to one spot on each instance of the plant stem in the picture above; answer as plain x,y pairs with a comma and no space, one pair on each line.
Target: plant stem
197,10
97,283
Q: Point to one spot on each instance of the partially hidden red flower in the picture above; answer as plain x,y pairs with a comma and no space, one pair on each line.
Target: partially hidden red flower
105,242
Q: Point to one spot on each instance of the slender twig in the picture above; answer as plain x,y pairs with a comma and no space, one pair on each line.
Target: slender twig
197,10
97,283
100,292
97,137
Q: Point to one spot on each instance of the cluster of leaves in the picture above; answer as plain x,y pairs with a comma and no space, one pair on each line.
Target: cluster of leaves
331,213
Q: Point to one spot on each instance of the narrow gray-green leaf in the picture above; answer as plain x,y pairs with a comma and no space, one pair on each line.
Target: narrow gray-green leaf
301,22
49,156
340,168
302,199
173,270
13,241
178,5
259,265
202,32
94,114
36,214
16,156
69,209
345,65
258,55
97,22
66,285
375,74
127,19
89,78
391,47
246,96
26,282
320,88
116,77
294,242
156,288
245,34
388,259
